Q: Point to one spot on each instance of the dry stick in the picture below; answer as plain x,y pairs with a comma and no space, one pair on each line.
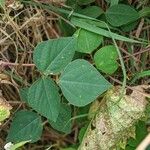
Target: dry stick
3,63
129,87
129,55
139,29
143,145
137,53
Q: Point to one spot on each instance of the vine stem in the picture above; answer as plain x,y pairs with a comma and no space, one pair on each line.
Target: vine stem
3,63
124,82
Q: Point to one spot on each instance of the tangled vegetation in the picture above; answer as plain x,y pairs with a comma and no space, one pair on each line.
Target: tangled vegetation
74,74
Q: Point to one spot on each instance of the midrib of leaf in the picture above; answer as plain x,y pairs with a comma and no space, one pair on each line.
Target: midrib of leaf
47,97
53,61
87,40
81,83
118,13
26,126
37,91
71,93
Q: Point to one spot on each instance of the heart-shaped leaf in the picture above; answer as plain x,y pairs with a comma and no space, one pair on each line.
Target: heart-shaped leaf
105,59
63,122
87,41
118,15
26,125
52,56
81,83
43,96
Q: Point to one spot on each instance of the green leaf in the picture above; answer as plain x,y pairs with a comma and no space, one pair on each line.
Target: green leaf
43,96
87,41
118,15
4,113
71,3
105,59
141,132
144,12
25,126
91,11
84,24
65,28
139,75
18,145
52,56
85,2
24,94
81,83
82,133
62,123
114,2
129,27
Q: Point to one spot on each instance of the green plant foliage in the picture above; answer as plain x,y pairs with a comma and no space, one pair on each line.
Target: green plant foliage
82,132
85,2
71,3
4,113
24,94
63,122
18,145
52,56
91,11
114,2
43,97
25,126
84,24
65,28
140,134
81,83
129,27
118,15
105,59
87,41
144,12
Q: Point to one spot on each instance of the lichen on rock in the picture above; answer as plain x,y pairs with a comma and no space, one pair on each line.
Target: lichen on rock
114,120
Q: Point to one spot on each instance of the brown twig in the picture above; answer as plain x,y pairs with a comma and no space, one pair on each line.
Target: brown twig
3,63
139,29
